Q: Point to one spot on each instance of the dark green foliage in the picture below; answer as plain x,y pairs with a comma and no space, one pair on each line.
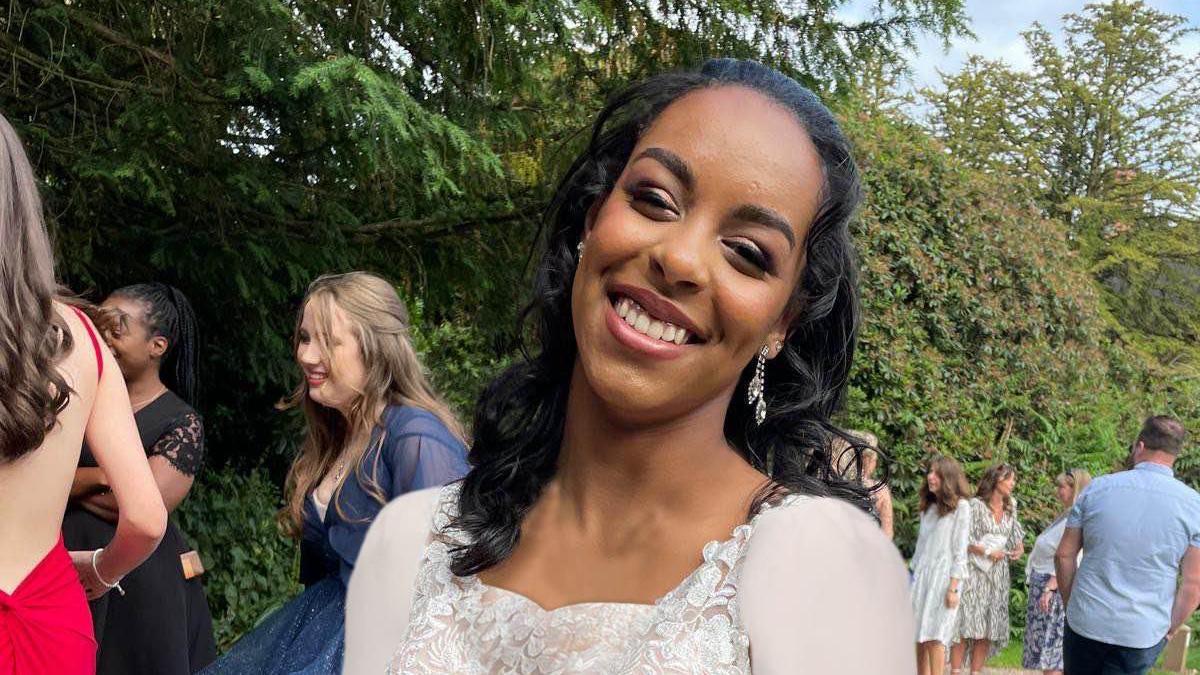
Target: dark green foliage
251,569
1101,133
982,338
239,149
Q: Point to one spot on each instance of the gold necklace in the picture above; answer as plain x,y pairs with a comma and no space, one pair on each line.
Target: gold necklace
162,389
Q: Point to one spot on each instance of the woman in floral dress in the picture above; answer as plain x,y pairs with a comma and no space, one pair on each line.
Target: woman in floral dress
996,540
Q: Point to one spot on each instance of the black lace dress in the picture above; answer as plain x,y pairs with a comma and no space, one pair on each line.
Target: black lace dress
162,625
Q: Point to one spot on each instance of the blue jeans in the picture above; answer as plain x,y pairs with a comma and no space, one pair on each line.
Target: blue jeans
1085,656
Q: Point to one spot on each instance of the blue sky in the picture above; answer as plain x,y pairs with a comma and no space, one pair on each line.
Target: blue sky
997,25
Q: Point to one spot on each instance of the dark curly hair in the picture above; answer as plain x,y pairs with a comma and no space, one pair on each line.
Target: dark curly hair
519,418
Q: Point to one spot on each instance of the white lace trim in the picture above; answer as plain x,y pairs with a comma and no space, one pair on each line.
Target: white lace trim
461,625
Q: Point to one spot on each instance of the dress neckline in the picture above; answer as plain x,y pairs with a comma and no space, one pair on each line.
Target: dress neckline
737,540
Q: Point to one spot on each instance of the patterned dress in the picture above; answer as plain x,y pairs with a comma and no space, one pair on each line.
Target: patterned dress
461,625
984,611
1043,647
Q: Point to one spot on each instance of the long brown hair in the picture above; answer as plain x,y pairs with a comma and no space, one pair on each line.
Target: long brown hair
987,484
33,338
954,486
394,375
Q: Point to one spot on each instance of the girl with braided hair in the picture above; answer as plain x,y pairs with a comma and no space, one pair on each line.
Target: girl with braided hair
162,624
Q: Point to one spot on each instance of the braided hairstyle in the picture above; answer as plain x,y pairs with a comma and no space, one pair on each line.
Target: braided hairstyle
169,315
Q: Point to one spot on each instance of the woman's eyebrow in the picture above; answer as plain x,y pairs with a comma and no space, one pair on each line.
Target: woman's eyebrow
764,216
673,163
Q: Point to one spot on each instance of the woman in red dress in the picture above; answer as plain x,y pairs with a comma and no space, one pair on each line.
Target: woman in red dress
58,386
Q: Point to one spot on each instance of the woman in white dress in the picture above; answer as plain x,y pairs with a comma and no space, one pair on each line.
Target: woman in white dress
939,563
1045,615
652,490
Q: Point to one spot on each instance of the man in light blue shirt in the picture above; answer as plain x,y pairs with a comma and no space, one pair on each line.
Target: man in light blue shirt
1139,530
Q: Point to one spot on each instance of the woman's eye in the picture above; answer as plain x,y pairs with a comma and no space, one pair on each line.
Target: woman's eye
750,253
652,199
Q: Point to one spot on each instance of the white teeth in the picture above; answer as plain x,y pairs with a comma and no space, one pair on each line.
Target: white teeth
642,322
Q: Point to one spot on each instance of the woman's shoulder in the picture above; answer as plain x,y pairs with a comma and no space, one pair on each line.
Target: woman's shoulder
171,407
403,421
403,527
824,552
407,521
836,528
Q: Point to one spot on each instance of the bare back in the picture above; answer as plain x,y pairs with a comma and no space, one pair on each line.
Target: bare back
34,488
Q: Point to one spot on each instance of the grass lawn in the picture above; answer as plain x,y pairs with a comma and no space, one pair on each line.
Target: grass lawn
1011,657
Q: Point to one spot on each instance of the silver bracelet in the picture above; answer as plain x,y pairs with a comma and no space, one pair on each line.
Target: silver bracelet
117,585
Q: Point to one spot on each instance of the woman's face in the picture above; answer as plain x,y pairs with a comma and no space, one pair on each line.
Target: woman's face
1064,492
934,480
134,348
1005,485
690,261
339,381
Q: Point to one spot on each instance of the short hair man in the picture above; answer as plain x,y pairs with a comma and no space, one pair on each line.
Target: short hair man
1139,530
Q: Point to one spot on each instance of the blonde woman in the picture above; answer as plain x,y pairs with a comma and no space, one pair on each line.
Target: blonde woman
59,386
1045,615
375,430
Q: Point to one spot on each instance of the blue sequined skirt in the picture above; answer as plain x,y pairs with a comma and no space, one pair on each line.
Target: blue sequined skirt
304,637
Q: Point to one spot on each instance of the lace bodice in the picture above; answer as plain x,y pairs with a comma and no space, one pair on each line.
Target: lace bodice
461,625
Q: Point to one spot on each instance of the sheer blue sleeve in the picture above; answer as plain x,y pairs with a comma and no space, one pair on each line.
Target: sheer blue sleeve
420,452
420,461
417,451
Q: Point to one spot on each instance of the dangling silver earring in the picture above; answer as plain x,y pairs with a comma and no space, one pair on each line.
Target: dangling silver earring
579,249
756,392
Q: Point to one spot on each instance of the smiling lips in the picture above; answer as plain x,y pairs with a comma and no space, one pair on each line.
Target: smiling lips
649,324
315,379
641,321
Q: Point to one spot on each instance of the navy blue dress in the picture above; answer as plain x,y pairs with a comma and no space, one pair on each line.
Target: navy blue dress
307,635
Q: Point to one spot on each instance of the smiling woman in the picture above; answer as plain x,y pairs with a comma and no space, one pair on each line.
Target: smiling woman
374,429
653,491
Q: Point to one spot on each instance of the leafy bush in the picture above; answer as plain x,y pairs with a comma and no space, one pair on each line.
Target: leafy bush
251,568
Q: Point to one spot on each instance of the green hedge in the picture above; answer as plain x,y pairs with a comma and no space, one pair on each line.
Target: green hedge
251,569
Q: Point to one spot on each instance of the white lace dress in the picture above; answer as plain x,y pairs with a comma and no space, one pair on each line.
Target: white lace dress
707,624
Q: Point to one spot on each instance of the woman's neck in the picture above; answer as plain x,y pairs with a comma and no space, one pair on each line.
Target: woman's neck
996,501
608,465
358,435
145,387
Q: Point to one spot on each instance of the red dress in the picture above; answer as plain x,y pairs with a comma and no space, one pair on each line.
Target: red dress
45,624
